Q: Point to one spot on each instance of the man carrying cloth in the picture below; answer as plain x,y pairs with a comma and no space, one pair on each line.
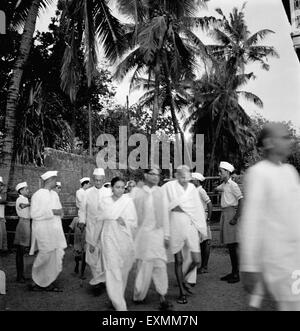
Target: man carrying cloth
187,220
47,235
231,202
90,213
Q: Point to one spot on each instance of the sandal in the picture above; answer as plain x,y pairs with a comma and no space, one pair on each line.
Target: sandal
182,300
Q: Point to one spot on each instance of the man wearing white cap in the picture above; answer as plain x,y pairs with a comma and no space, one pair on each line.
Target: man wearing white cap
79,234
90,215
205,241
22,236
47,234
231,199
187,219
3,233
80,194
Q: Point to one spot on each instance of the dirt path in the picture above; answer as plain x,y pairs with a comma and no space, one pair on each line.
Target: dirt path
210,293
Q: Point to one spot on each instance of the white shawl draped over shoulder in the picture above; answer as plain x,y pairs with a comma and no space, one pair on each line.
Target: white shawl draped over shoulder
189,201
117,246
47,230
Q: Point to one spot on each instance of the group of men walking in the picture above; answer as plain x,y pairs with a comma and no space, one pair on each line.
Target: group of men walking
153,225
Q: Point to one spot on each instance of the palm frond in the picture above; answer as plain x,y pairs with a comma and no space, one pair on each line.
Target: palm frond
252,98
109,30
258,36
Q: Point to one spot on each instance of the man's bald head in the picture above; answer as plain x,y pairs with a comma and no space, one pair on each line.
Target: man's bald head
183,175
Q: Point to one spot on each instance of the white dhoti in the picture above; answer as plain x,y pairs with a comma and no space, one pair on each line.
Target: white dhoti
183,233
2,282
47,236
47,266
147,271
94,260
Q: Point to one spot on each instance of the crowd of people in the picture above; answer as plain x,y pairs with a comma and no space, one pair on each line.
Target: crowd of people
121,223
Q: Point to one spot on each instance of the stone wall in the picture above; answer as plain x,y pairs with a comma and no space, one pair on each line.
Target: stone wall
71,168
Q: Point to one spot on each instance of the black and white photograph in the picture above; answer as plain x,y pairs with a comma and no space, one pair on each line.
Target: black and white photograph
149,158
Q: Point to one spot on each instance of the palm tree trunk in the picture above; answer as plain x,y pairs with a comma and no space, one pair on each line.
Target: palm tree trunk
90,131
155,106
212,156
13,93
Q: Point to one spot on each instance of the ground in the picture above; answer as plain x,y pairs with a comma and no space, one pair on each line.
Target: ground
210,293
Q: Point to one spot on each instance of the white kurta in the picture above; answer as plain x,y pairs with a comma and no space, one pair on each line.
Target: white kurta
117,247
153,220
90,214
270,227
47,236
80,196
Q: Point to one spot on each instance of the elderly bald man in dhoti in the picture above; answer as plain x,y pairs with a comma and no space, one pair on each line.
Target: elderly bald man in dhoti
90,216
187,220
47,235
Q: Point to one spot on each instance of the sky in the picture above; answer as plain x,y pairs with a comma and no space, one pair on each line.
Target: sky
279,87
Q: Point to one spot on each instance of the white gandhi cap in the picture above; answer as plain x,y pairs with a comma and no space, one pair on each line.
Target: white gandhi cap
49,174
99,172
85,179
227,166
198,176
20,186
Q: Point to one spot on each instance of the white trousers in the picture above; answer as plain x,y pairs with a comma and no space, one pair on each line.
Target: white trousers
116,282
147,271
94,260
289,305
47,266
2,282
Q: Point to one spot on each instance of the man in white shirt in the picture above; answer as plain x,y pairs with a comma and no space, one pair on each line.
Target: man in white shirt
231,203
270,225
47,235
22,236
90,217
3,233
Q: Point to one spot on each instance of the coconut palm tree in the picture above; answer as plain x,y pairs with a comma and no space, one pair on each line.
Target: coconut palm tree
26,15
164,45
216,111
236,48
88,23
236,43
